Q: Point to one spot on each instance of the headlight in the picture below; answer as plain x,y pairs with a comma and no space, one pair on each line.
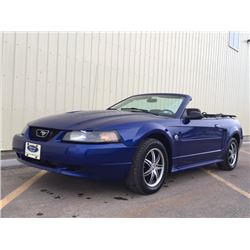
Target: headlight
24,130
91,137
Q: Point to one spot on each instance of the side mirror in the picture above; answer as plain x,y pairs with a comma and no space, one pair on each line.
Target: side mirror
195,115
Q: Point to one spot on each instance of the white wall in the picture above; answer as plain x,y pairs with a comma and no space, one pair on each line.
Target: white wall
48,73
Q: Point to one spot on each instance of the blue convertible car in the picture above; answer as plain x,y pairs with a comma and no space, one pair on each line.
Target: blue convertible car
140,140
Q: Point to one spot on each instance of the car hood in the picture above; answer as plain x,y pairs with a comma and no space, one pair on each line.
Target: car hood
89,120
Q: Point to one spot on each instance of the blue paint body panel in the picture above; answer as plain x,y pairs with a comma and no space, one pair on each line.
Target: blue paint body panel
192,144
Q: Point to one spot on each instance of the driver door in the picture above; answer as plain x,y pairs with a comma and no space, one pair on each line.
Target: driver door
199,141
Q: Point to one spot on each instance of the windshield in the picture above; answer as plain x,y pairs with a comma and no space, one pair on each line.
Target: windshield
165,105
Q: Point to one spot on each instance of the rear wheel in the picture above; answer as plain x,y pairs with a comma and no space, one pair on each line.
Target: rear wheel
148,168
231,156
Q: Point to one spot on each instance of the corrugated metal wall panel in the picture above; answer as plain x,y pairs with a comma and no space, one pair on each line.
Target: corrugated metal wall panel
48,73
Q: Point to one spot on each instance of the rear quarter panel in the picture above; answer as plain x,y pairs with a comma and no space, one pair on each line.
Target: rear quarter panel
232,127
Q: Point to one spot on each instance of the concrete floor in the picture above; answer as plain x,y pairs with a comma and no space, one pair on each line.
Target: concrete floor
193,193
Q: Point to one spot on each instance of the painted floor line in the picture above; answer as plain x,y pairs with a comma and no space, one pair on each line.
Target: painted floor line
245,152
227,183
14,194
246,142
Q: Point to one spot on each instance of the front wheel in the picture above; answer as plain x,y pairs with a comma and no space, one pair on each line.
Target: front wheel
231,156
149,167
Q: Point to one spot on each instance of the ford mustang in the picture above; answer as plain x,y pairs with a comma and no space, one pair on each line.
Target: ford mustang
139,140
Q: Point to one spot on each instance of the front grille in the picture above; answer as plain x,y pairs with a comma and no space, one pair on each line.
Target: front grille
33,133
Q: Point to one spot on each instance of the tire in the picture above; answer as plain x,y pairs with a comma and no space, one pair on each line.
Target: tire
231,156
149,167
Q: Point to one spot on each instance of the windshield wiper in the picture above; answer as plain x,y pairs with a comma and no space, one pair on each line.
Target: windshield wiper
135,110
138,110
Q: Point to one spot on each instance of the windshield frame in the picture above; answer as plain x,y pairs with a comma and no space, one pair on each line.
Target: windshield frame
178,113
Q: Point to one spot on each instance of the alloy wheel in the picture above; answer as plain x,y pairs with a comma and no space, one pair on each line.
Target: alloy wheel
153,167
232,153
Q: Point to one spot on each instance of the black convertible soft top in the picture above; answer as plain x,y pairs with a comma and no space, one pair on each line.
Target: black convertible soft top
217,115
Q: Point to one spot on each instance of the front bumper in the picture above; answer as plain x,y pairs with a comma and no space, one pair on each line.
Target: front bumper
94,161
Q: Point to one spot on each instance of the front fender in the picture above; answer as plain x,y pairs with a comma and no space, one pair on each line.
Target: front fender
150,130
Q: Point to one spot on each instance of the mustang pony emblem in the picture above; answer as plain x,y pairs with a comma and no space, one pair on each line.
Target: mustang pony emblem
42,132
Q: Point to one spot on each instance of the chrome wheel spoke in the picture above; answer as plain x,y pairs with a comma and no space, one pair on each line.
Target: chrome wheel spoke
153,156
148,172
151,178
148,162
158,167
158,159
156,174
153,168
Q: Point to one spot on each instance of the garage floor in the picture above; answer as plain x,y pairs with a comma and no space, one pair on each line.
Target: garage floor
206,192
